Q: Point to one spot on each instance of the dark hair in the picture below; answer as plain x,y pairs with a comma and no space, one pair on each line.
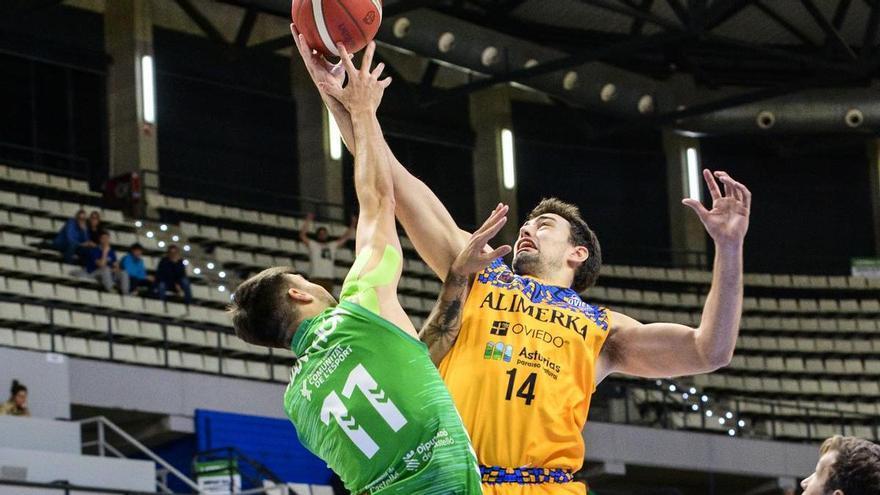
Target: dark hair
581,235
320,229
261,312
17,387
856,471
102,233
172,246
136,245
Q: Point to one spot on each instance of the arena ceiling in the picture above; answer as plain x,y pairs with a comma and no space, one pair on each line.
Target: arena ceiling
705,65
699,65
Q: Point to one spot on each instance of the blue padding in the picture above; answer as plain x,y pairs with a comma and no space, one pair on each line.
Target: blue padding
272,442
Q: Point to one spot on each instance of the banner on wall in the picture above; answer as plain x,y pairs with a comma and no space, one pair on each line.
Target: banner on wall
218,477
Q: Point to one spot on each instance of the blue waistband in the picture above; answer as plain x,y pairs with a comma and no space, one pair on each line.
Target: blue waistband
524,476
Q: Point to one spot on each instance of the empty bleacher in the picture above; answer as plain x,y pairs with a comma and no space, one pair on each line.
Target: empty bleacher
807,361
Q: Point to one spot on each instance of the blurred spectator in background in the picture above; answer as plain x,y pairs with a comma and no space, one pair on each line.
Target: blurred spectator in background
103,265
847,466
171,275
322,252
95,226
73,239
133,264
17,404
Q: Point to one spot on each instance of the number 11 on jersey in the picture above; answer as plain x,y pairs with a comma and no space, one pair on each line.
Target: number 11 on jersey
360,378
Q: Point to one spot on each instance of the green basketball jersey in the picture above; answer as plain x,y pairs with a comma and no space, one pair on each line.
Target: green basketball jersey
365,397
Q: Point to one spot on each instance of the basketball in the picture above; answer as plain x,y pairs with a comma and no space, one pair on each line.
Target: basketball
324,23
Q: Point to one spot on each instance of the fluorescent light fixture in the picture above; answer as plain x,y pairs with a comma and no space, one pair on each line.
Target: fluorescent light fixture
335,137
508,161
149,89
693,171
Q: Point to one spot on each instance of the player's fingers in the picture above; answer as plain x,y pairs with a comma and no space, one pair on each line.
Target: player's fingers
497,253
747,195
730,187
499,212
714,191
378,70
384,83
491,231
346,60
695,205
367,61
488,219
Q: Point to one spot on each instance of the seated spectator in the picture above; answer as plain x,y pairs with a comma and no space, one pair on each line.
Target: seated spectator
73,239
102,264
96,226
322,252
847,466
17,404
133,264
171,275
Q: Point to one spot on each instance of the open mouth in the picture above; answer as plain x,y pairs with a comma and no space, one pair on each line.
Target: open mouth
526,244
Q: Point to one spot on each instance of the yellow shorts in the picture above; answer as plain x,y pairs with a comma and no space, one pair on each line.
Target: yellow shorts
573,488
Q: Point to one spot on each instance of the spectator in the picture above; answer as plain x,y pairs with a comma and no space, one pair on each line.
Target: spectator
171,275
17,404
103,265
133,264
322,252
73,239
96,226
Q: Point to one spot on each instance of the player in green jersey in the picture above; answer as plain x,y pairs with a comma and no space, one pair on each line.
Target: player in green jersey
364,394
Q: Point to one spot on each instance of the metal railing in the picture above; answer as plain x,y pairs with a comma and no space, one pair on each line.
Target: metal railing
103,445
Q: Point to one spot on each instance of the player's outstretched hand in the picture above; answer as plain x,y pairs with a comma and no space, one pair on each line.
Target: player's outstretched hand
319,68
474,257
364,89
728,220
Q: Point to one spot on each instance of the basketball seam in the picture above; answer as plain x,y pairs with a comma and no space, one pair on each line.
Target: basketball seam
321,25
353,20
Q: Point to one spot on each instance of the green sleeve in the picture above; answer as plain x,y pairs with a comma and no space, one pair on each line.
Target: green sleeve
360,288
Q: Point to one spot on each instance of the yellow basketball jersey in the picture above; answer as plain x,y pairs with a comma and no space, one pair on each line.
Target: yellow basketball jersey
523,370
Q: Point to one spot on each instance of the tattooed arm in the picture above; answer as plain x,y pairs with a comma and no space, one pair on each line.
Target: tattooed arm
443,325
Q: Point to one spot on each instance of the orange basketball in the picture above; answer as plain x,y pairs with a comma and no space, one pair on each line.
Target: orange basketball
324,23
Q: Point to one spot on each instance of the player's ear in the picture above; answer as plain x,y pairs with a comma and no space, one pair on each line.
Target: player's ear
298,296
579,254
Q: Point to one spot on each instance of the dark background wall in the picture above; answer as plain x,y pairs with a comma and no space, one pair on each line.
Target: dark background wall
227,123
619,184
811,210
227,134
53,93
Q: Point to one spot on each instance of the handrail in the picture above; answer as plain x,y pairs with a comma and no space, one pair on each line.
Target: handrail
102,421
66,488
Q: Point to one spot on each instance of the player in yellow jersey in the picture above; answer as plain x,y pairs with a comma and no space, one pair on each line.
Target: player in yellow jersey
519,350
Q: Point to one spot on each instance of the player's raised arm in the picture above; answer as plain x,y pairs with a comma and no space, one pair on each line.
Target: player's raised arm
379,263
444,323
659,350
427,222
